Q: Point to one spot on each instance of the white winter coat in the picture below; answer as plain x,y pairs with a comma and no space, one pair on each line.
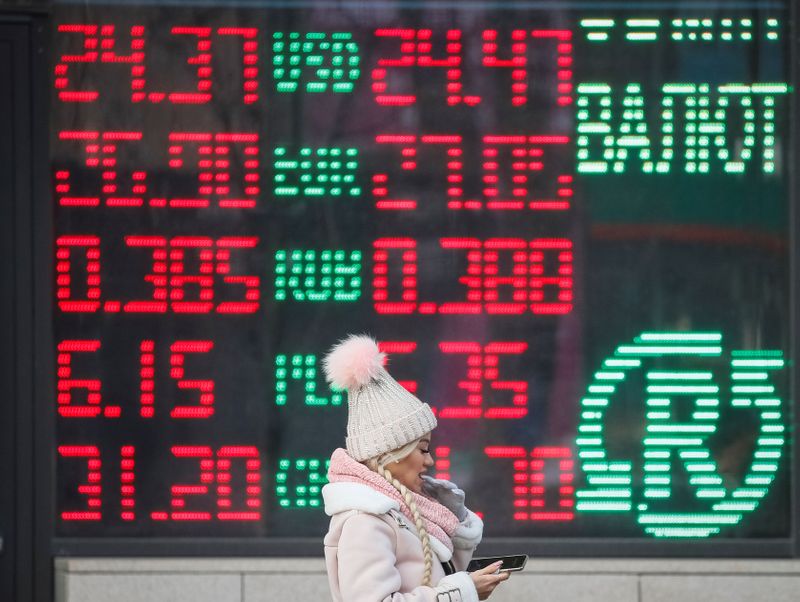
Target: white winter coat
373,552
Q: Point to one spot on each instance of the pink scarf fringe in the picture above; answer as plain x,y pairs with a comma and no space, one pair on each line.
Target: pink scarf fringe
439,521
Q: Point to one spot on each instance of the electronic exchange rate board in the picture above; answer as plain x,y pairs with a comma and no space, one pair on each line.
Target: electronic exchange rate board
569,230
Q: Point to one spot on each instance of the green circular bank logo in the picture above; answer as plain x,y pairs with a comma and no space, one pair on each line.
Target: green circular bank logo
689,386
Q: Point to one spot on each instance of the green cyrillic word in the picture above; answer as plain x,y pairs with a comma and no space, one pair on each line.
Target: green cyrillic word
689,131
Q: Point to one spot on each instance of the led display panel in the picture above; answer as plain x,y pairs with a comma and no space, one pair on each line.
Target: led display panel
569,229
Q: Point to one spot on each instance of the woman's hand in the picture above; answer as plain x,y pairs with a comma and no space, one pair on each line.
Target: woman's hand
486,579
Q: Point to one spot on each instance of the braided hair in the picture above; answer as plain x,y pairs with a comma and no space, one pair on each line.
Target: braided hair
378,465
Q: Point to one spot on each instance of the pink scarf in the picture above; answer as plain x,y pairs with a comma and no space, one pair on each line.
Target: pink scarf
439,521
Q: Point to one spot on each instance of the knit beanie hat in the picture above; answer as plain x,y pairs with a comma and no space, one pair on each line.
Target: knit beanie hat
381,415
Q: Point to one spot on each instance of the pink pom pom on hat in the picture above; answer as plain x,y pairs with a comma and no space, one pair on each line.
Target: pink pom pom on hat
381,415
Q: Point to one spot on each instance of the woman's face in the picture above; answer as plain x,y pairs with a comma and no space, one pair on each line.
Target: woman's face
410,469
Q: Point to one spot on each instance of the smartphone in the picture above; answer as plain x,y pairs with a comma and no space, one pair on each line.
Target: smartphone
510,563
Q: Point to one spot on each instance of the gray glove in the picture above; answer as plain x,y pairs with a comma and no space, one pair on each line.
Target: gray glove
447,494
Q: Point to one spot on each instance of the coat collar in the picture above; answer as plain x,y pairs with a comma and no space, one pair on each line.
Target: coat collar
343,497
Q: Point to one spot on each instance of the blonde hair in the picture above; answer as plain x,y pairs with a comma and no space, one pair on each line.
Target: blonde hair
378,465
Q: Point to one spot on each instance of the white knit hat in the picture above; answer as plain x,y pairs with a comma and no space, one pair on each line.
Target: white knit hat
382,416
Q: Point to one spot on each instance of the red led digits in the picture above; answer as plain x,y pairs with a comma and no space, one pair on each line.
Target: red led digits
200,273
202,59
563,39
396,348
147,360
416,51
482,371
566,477
90,33
534,166
529,481
518,389
177,360
231,476
67,384
92,488
136,57
561,280
214,169
205,409
217,156
64,280
483,368
63,187
249,59
564,61
492,278
249,301
101,155
441,456
180,492
216,473
380,189
472,384
169,277
179,279
252,503
537,266
90,45
517,62
127,478
447,149
158,278
527,162
114,197
380,282
483,278
100,45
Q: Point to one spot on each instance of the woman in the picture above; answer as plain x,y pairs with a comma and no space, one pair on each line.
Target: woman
396,534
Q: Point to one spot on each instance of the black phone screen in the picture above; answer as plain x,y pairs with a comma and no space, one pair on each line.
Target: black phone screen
510,563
